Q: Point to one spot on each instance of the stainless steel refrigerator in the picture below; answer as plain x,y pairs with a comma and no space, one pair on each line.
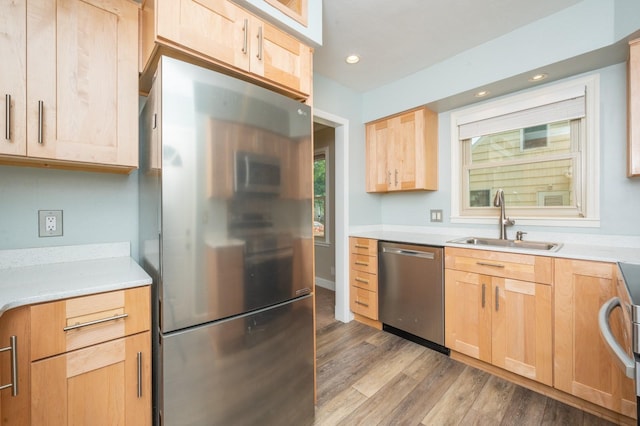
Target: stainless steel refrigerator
225,188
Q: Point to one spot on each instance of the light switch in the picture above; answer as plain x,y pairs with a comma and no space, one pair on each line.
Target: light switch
436,215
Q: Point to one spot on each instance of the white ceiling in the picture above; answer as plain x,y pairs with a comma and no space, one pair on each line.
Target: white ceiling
396,38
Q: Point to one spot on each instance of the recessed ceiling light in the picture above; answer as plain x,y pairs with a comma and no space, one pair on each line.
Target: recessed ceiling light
538,77
481,94
352,59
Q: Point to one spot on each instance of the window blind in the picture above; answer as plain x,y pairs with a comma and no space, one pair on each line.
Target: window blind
567,109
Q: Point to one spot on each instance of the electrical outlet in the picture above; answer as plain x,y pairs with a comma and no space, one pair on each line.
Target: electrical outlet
49,223
436,215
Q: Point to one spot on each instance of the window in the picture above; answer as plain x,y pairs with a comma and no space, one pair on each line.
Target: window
320,205
540,147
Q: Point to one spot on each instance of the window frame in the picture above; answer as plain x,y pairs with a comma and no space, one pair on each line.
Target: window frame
590,158
326,241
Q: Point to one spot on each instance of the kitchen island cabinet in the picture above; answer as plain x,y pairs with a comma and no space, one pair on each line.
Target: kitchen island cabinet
498,310
15,400
220,34
402,152
583,365
71,90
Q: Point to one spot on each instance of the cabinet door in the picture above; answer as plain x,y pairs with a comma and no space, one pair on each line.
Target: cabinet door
280,58
468,314
401,154
82,102
583,365
13,90
521,328
217,29
377,141
105,384
15,410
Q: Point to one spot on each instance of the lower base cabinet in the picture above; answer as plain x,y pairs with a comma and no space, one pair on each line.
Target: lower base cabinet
15,406
104,384
583,365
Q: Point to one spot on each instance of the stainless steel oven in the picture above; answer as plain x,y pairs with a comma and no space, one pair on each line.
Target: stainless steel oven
626,347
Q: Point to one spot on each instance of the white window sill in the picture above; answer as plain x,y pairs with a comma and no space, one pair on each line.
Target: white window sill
530,221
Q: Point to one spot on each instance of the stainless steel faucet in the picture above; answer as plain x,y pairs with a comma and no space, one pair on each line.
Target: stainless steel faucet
498,201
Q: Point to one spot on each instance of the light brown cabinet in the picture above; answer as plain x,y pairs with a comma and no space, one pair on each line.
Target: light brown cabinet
297,9
498,310
71,87
363,289
91,359
583,365
14,335
224,35
402,152
633,109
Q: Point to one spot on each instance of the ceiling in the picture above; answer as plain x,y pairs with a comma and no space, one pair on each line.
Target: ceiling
396,38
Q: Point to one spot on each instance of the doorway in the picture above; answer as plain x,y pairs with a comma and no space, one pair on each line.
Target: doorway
338,223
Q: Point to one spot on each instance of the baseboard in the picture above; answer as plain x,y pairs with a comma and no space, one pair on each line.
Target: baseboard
329,285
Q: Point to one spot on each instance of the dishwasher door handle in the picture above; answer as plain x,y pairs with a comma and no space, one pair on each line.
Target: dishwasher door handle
406,252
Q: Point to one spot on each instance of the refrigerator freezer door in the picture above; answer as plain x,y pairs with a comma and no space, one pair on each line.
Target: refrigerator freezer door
226,252
249,370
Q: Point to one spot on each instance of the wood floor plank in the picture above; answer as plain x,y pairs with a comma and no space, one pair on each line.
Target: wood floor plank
426,394
457,399
492,402
383,402
335,410
526,408
385,368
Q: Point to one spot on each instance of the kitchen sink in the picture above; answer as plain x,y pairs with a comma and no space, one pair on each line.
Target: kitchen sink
515,244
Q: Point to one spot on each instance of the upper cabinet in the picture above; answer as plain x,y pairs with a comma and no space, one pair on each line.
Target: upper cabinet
70,92
633,164
402,152
222,34
297,9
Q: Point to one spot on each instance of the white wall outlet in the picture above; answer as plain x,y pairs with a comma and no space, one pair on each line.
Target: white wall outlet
49,223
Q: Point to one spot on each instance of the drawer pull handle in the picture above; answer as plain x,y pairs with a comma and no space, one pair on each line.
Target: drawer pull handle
7,117
362,280
361,246
99,321
362,263
366,305
40,120
13,347
494,265
245,30
139,356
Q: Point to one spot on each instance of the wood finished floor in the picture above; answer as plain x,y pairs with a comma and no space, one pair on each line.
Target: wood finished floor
371,377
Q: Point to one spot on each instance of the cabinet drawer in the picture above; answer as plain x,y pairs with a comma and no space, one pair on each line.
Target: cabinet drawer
69,324
522,267
364,246
363,263
364,302
364,280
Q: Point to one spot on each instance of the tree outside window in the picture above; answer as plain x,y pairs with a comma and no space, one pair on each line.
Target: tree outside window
320,196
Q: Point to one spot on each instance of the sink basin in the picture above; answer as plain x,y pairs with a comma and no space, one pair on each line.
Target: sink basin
515,244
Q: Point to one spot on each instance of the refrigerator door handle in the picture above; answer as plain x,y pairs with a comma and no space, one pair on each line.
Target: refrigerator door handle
302,291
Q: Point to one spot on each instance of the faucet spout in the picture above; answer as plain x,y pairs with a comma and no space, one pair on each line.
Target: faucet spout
503,221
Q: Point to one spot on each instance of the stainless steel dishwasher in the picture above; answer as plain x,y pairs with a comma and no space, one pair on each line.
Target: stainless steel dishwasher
411,292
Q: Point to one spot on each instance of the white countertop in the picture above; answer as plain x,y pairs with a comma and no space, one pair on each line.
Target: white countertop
603,250
29,276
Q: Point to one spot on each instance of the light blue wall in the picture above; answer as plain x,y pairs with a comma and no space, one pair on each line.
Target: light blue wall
587,27
97,207
328,96
619,195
